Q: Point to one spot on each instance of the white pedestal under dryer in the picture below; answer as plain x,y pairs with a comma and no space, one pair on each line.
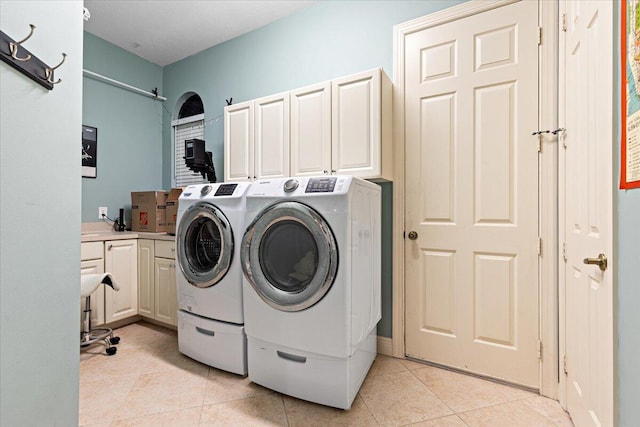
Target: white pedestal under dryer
209,278
311,263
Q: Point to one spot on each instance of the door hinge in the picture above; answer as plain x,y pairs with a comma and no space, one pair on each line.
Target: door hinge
539,36
564,22
540,246
539,350
564,251
564,364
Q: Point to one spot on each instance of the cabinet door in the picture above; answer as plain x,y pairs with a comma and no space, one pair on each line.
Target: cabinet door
311,130
121,260
238,142
146,284
272,136
166,293
356,123
93,266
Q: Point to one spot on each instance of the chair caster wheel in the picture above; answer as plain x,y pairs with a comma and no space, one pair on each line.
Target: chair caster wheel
111,351
114,340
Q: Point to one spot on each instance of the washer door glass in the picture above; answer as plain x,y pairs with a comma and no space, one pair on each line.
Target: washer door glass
289,256
205,245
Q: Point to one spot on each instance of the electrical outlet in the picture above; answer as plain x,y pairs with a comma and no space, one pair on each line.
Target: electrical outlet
102,213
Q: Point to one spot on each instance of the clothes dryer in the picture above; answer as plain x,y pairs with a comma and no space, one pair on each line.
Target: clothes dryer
209,278
311,262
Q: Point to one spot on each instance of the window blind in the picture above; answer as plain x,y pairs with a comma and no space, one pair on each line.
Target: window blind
184,130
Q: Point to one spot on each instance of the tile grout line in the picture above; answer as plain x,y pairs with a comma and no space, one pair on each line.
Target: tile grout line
434,393
364,402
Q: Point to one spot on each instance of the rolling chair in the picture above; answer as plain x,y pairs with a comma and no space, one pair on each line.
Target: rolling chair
88,336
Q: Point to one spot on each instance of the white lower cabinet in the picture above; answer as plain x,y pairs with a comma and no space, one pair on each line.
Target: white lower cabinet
157,281
92,262
166,294
118,257
121,260
146,296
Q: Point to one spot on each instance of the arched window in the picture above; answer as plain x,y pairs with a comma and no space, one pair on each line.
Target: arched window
191,107
190,125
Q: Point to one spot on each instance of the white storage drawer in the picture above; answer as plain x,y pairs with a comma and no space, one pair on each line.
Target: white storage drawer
217,344
327,380
91,250
165,249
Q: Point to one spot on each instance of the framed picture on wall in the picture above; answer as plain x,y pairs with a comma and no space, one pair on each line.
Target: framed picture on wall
89,151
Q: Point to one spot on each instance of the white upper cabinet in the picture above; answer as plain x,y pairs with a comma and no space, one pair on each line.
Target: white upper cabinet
271,136
361,125
338,127
238,142
311,130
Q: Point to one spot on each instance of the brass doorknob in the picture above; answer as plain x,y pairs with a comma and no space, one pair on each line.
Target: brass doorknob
412,235
601,261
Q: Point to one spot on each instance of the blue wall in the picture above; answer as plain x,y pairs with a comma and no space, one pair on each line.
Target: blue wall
327,40
40,168
627,247
129,128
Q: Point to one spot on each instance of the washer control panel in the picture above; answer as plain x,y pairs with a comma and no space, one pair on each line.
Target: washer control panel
321,185
225,190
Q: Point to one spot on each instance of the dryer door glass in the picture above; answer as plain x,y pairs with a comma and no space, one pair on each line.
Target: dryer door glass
205,245
297,256
289,256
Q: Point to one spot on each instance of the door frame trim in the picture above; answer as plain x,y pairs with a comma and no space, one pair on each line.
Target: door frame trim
548,179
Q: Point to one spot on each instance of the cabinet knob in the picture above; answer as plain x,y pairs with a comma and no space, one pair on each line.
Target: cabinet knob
109,247
333,171
326,172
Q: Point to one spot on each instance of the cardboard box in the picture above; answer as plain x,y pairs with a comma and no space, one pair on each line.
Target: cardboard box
149,211
172,209
149,198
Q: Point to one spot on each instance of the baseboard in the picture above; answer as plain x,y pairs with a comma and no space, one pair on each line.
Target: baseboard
385,346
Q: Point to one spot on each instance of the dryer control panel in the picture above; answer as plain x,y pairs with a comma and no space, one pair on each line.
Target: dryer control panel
321,185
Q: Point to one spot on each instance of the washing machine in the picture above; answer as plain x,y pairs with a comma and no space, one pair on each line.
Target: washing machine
210,224
311,263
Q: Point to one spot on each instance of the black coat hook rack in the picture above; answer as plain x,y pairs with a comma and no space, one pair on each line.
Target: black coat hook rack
13,53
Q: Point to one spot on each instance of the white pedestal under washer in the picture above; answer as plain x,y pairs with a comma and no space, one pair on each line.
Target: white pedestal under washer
311,263
209,277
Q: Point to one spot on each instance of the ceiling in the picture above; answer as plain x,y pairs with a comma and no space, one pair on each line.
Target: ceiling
166,31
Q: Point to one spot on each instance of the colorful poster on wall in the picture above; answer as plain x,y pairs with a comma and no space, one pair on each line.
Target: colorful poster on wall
630,66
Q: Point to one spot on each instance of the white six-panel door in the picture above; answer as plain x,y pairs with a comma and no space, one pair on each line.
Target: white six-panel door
586,196
471,92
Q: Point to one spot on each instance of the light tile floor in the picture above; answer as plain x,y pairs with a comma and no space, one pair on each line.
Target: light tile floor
149,383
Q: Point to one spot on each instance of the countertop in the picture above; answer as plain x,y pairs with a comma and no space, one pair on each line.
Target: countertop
102,231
